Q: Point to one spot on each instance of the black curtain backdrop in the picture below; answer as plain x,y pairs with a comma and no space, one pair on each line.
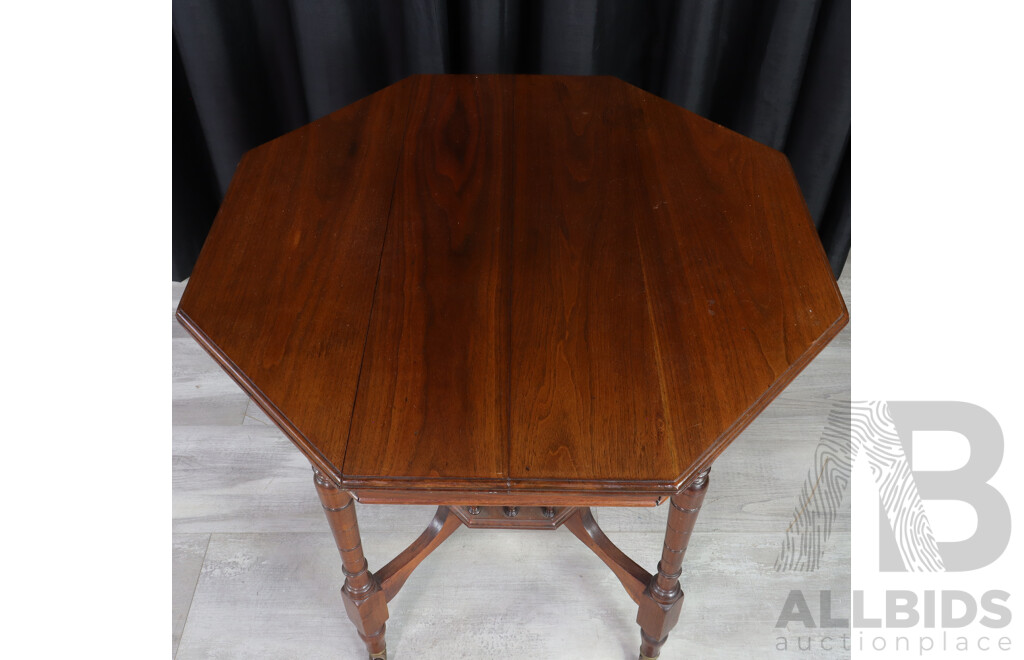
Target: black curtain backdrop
777,71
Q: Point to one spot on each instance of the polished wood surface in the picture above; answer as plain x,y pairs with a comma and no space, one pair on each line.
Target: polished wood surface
501,287
364,597
586,397
433,394
256,574
661,602
282,292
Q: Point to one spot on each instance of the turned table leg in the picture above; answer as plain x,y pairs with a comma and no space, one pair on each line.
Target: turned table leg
661,601
364,599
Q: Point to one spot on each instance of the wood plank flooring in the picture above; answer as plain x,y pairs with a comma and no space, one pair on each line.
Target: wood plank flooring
256,574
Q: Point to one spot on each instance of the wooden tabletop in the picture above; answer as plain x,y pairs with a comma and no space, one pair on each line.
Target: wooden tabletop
503,285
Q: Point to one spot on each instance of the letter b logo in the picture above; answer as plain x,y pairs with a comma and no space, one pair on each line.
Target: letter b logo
905,533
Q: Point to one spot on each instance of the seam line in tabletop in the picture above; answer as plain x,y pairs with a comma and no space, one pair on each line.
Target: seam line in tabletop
669,412
376,281
511,162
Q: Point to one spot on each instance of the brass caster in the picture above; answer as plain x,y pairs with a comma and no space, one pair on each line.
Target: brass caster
383,655
644,657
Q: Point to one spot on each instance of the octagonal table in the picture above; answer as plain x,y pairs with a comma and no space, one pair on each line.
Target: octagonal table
514,297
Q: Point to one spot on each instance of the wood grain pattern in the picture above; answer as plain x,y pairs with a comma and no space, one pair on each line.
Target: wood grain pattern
733,273
485,289
432,400
282,289
276,594
586,401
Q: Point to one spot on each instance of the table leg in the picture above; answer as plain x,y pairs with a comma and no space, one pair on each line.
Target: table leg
661,601
364,599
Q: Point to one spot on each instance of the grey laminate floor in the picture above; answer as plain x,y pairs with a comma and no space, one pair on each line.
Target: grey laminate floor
256,574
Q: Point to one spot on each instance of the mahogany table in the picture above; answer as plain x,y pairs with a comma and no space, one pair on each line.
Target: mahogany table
514,297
